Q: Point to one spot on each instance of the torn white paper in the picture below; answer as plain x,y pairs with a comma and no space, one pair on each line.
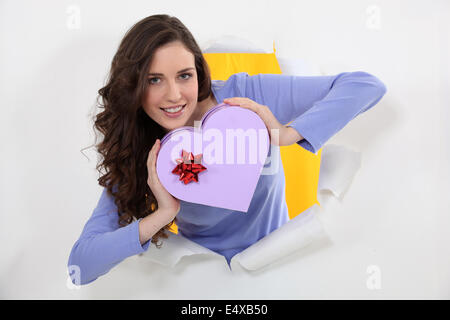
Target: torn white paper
290,237
338,167
174,248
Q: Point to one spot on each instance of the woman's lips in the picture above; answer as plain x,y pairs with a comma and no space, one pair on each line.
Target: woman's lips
174,114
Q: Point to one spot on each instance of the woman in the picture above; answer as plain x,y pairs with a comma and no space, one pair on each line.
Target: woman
160,81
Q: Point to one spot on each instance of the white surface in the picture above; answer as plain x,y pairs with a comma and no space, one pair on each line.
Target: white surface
394,216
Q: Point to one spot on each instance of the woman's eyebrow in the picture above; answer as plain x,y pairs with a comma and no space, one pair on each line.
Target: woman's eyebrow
160,74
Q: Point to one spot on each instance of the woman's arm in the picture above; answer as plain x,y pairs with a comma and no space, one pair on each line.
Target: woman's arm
318,106
150,225
292,135
102,244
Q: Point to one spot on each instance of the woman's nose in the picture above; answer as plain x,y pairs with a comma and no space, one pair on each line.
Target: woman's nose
173,93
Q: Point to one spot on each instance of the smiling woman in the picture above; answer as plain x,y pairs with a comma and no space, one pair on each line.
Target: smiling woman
171,98
159,81
175,94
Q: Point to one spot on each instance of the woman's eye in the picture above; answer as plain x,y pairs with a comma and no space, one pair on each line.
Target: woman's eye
150,80
189,75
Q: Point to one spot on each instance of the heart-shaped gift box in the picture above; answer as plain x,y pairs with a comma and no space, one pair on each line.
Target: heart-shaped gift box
228,148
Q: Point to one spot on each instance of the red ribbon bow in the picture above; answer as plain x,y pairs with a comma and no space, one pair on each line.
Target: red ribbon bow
187,170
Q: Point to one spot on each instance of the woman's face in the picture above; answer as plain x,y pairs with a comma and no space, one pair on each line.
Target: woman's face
172,82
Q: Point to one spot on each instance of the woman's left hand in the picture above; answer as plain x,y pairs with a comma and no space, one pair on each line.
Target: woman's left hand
286,135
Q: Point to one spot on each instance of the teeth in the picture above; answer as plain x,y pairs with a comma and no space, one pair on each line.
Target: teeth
173,110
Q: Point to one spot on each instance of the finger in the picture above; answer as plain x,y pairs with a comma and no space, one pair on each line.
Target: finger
151,161
150,154
154,147
155,150
235,100
239,100
250,106
157,147
155,157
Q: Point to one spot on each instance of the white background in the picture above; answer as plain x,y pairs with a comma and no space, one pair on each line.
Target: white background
395,216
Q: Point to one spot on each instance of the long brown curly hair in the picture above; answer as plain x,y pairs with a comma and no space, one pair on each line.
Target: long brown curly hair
128,132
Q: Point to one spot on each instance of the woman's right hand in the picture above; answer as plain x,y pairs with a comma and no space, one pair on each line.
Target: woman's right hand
168,205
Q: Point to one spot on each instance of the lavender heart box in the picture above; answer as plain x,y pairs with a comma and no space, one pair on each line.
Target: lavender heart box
231,143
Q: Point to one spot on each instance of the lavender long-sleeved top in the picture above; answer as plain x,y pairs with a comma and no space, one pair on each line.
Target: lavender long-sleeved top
318,106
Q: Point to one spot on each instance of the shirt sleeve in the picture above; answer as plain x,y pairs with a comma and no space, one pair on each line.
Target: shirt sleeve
317,106
102,243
